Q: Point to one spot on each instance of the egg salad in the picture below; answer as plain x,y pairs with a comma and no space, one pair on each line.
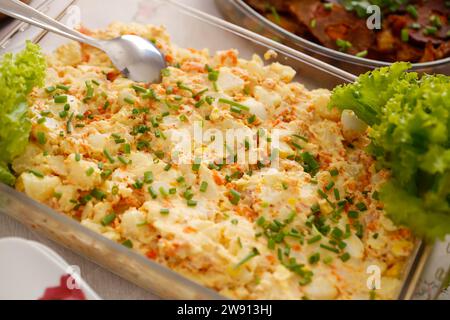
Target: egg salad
312,227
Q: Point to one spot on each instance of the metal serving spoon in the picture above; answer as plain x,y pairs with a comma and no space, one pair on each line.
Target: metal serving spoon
136,57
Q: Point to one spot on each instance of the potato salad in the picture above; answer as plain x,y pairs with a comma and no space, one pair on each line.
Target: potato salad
102,151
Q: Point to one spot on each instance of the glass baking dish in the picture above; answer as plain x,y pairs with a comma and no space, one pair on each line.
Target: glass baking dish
188,28
239,12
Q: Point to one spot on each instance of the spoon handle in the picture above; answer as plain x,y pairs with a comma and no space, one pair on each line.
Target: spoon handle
23,12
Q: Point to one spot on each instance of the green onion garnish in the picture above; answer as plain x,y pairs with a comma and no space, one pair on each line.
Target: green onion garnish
108,156
128,244
148,177
108,219
60,99
164,211
203,186
235,197
152,192
250,256
41,137
234,104
36,173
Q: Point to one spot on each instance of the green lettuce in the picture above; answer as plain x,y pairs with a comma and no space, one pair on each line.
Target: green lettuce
409,117
19,74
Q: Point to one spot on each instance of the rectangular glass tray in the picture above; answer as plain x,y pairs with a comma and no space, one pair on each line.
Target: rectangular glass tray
188,28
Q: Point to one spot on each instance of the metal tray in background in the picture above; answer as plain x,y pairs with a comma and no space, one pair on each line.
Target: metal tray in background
240,13
188,28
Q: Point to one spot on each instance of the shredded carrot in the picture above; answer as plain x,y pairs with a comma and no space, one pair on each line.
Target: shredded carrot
152,254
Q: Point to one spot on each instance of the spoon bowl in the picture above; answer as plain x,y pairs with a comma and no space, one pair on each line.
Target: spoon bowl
135,57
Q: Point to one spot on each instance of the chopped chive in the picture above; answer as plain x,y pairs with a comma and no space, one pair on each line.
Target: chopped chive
108,156
251,119
139,88
329,186
163,192
138,184
376,195
430,30
300,137
345,257
98,194
114,190
165,72
164,211
188,195
181,86
361,206
353,214
235,109
337,233
412,11
63,87
314,239
50,89
180,179
60,99
315,208
36,173
362,54
313,259
148,177
334,172
191,203
404,35
296,145
328,6
41,137
127,148
106,173
200,93
336,194
69,123
343,45
89,91
90,171
275,14
108,219
127,243
203,186
322,194
235,197
152,192
196,165
129,100
234,104
250,256
261,221
415,26
154,122
324,246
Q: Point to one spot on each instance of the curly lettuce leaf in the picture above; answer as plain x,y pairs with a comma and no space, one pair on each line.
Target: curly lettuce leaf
410,131
370,93
19,74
